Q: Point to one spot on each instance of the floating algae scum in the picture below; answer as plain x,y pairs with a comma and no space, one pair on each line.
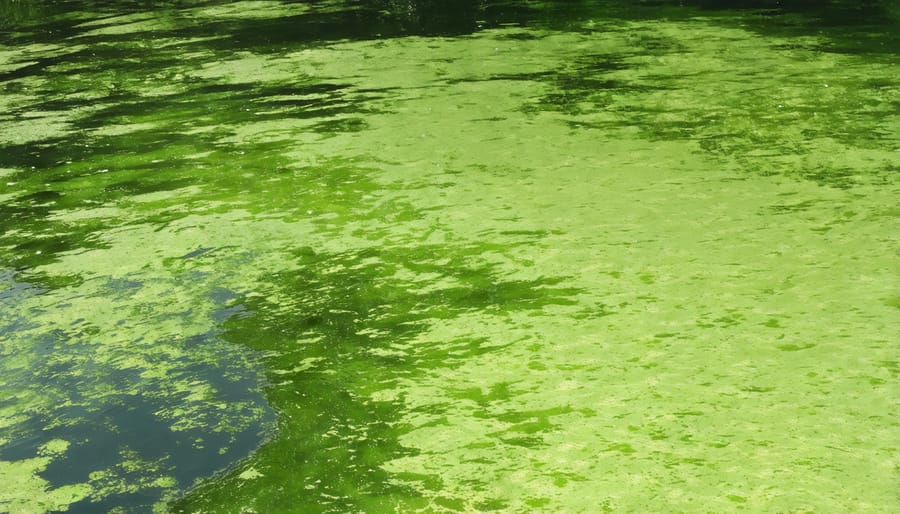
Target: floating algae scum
401,257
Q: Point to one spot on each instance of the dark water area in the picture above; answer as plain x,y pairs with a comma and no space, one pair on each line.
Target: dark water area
426,256
360,20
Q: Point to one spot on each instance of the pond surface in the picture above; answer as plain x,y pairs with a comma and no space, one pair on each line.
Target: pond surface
421,256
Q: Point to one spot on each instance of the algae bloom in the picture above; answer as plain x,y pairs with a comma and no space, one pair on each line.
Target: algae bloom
478,256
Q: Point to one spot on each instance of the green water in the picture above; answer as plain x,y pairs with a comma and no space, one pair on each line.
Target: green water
421,256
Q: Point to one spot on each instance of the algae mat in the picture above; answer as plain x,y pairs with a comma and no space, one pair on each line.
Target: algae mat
339,257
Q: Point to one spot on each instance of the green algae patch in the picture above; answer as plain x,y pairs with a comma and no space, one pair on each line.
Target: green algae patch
358,315
53,447
26,492
560,402
592,260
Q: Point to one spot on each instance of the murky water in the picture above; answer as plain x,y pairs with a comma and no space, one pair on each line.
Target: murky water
420,256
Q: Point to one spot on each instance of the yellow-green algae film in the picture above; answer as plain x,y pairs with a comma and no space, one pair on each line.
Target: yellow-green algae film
422,256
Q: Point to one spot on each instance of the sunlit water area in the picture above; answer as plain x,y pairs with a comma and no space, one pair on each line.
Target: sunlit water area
345,256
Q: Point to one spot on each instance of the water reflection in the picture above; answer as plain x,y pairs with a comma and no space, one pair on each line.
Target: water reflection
16,13
141,413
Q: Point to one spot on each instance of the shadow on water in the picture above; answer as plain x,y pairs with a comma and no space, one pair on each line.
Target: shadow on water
84,170
761,115
338,329
843,21
868,27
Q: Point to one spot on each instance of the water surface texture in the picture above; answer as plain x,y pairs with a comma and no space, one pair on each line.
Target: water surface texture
424,256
